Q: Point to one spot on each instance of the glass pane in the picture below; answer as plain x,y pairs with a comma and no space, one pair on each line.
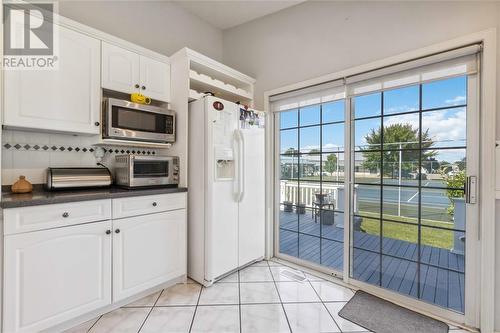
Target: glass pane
289,219
332,254
400,203
401,132
332,223
367,167
367,200
397,237
309,248
401,167
444,93
333,137
310,115
289,167
362,239
308,191
289,192
366,266
399,275
401,100
367,105
443,208
442,287
333,111
444,128
289,243
332,167
448,167
367,134
309,222
309,167
289,119
310,139
289,141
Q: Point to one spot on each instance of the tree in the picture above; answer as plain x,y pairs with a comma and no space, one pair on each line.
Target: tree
397,136
330,163
313,151
292,151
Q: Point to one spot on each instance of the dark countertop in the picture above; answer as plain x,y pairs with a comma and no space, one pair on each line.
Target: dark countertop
40,196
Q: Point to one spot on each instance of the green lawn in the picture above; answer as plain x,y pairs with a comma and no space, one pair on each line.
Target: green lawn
429,236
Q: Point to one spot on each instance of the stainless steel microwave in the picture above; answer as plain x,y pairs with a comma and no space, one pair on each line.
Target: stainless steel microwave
131,121
138,170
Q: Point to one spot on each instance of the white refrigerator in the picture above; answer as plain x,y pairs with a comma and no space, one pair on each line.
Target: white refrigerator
226,198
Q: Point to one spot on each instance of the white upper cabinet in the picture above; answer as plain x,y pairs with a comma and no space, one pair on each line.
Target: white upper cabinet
66,99
155,79
120,69
128,72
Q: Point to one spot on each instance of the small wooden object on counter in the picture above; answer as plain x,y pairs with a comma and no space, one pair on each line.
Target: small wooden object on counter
22,186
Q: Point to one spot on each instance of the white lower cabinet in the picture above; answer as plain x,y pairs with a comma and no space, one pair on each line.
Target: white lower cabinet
148,250
55,275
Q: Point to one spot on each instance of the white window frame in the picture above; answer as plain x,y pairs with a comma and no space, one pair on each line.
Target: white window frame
484,316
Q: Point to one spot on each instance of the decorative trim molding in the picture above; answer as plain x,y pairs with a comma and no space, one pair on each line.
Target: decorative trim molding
75,148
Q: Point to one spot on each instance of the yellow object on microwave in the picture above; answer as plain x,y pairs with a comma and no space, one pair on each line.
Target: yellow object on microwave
140,99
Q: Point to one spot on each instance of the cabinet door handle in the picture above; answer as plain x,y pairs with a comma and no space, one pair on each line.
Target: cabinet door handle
155,204
96,123
143,87
65,214
108,232
136,85
117,231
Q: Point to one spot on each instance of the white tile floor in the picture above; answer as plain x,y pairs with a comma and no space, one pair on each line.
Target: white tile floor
259,298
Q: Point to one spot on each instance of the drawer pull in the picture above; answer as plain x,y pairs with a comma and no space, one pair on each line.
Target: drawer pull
155,204
117,231
65,214
108,232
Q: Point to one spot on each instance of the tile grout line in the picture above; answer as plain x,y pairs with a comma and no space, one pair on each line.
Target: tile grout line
151,310
323,303
195,309
92,326
279,295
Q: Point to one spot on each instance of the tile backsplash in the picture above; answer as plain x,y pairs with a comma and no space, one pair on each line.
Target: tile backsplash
30,153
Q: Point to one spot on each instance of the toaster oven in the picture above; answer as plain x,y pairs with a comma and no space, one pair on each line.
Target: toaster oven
139,171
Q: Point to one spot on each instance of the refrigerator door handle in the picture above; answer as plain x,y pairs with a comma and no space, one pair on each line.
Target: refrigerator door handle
236,184
241,163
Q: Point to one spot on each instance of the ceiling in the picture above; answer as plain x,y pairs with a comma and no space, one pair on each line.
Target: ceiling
230,13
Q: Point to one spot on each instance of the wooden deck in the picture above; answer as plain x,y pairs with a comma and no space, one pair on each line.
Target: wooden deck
441,277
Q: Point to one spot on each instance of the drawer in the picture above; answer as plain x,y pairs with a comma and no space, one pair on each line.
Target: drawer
133,206
32,218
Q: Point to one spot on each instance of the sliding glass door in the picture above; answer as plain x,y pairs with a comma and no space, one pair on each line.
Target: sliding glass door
311,183
408,227
375,177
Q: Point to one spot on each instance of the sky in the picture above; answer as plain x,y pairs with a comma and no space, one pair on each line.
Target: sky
446,127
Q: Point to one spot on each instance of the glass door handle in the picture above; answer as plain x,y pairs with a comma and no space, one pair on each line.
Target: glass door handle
471,190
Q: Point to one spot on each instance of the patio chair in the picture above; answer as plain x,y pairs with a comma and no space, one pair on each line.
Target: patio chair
321,200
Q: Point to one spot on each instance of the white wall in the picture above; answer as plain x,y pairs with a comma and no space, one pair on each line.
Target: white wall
161,26
317,38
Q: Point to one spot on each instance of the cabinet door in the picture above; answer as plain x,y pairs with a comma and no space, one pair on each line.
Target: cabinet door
155,79
65,99
120,69
148,250
54,275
